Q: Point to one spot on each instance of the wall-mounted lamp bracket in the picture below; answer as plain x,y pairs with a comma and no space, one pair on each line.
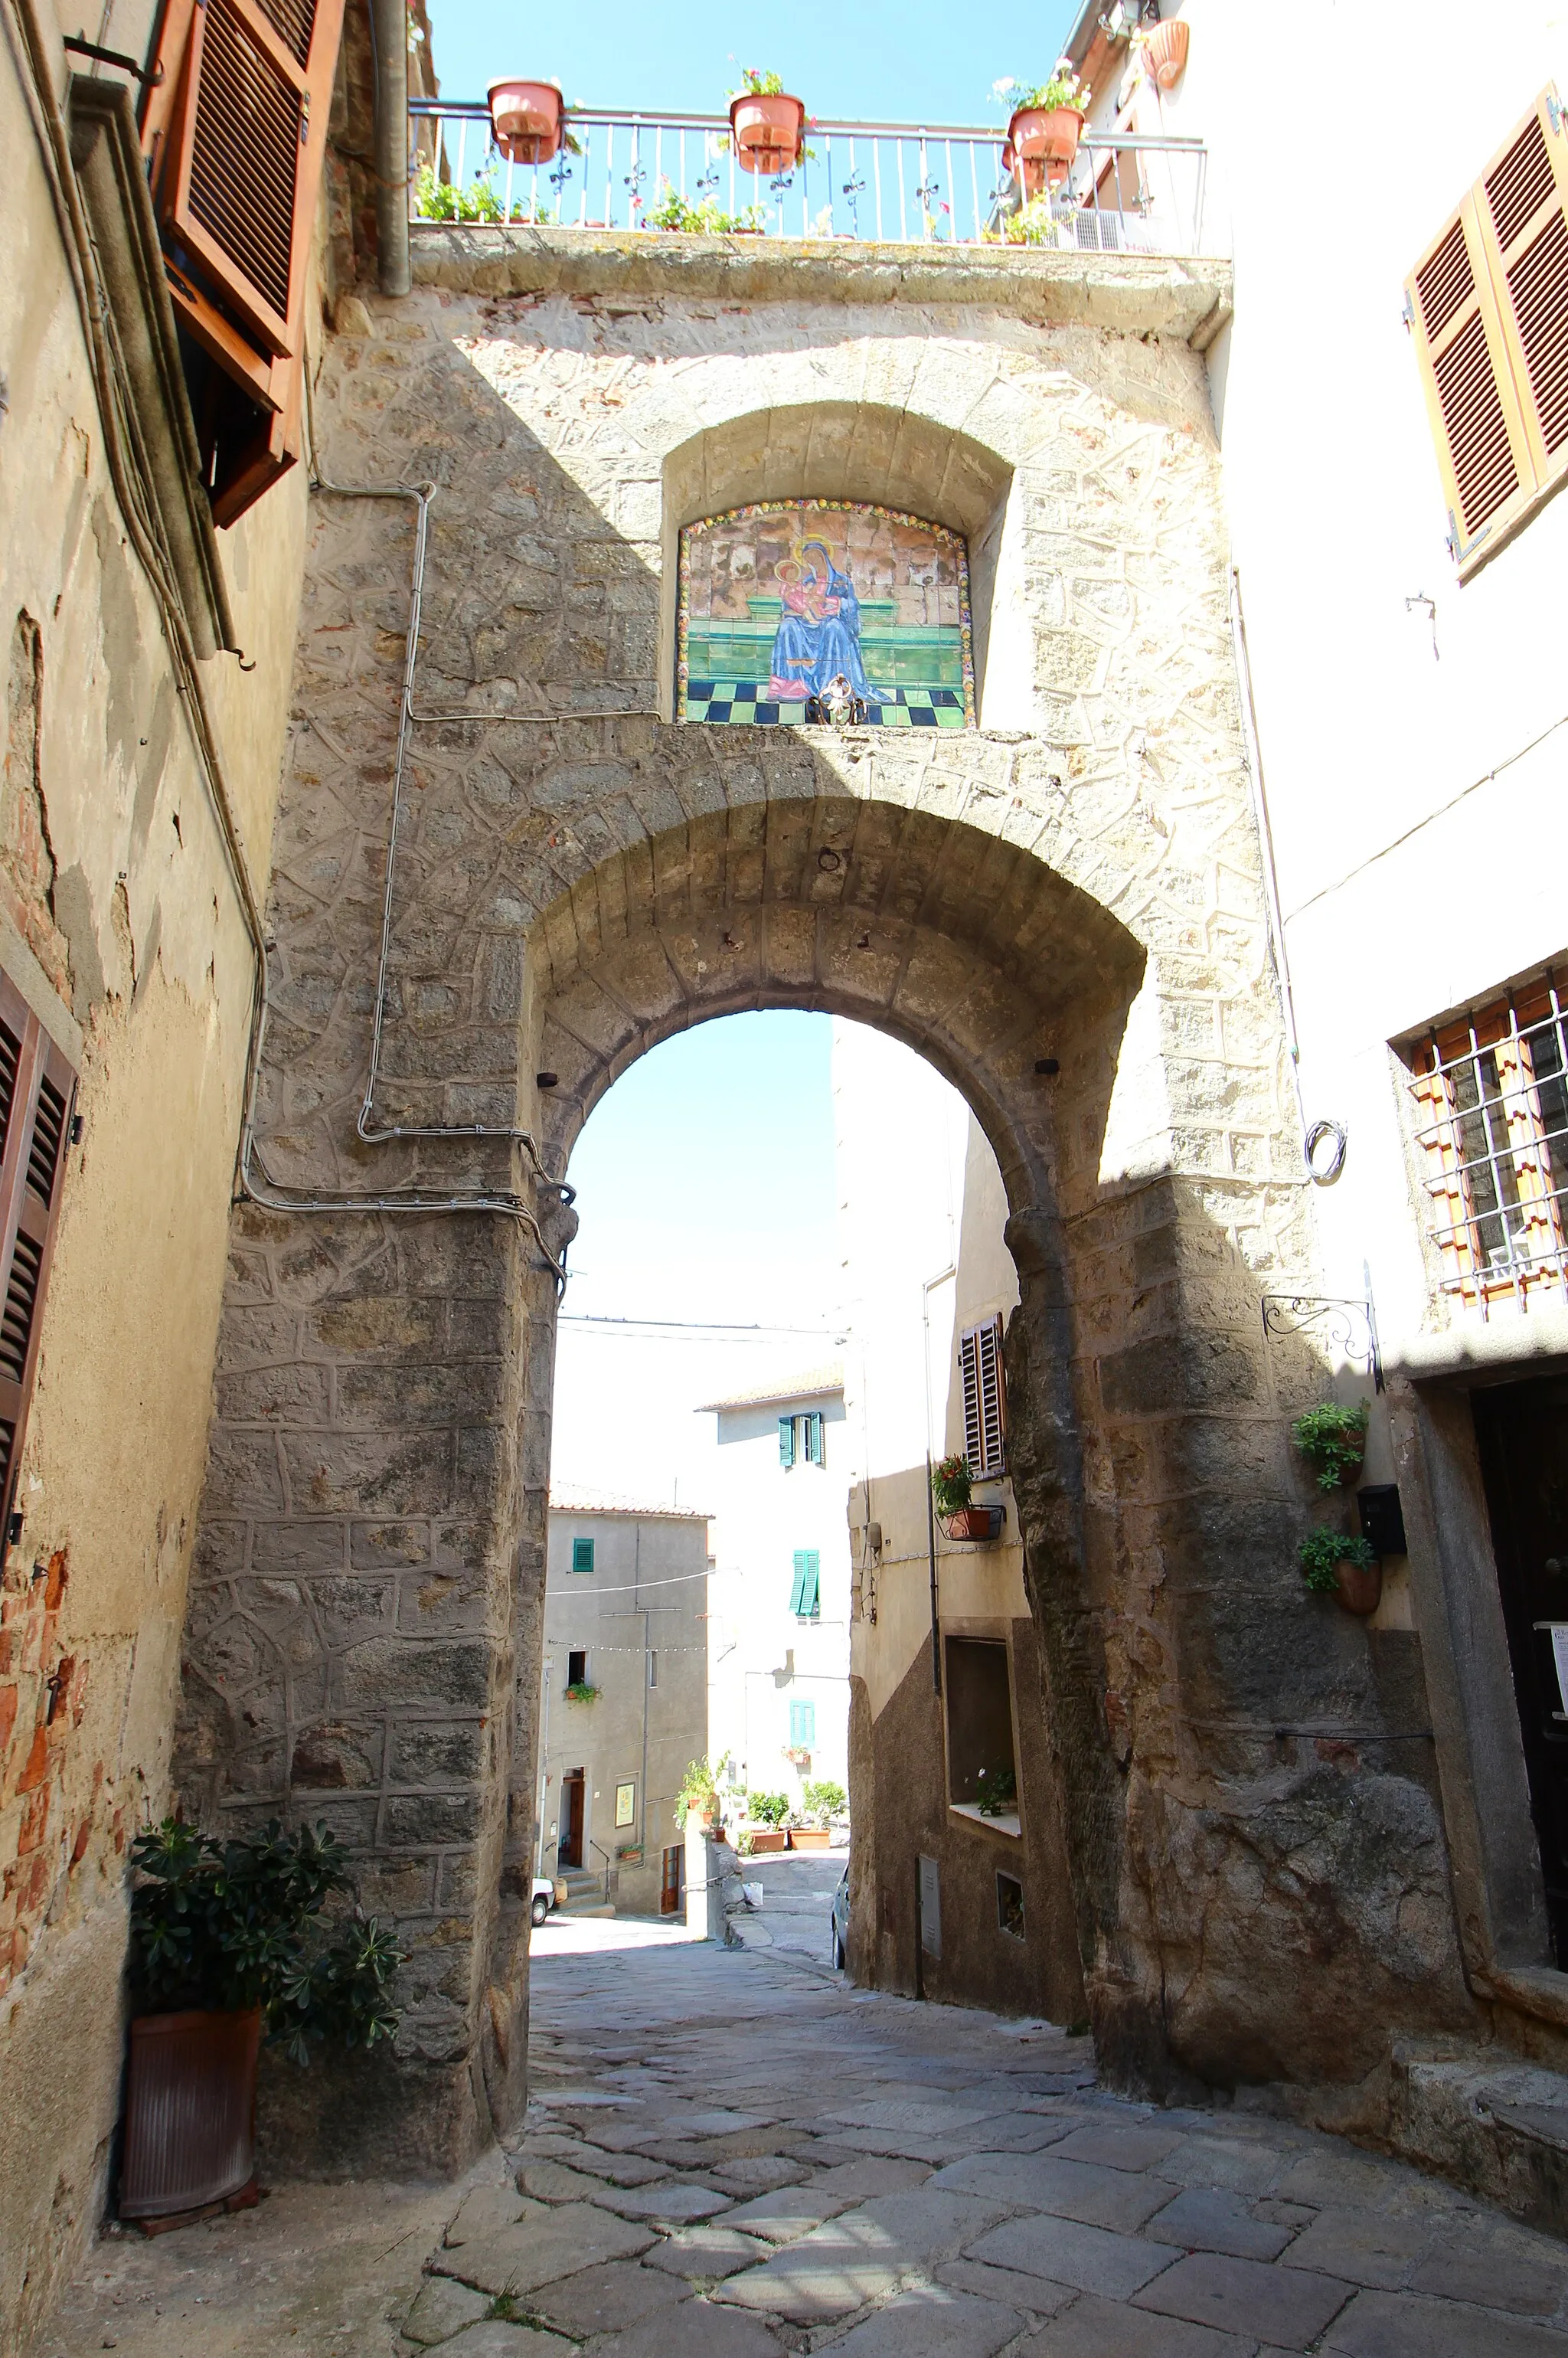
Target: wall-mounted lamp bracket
1339,1319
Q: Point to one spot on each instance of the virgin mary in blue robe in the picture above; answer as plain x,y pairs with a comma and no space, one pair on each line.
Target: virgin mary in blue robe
818,637
839,632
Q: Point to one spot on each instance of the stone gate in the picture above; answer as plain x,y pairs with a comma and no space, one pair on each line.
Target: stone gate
1074,882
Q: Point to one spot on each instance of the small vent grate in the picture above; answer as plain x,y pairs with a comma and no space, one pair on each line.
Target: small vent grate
1445,283
1477,431
10,1050
293,21
48,1125
16,1318
244,156
1521,184
1538,285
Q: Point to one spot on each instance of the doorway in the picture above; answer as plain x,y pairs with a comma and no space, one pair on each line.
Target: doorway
672,1887
568,1850
1522,1433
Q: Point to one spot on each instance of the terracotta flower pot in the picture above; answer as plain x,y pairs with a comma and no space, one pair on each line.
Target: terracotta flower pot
1048,136
1165,54
769,133
525,117
809,1838
981,1523
1359,1587
769,1839
191,2112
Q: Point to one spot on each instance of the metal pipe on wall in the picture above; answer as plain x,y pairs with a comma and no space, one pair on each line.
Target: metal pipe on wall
389,32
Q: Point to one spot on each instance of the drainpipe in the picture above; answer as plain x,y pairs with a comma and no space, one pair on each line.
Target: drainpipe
926,1291
389,37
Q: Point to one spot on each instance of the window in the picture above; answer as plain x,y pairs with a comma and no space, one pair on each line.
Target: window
577,1670
582,1555
1487,306
1009,1906
981,1766
800,1439
801,1726
805,1595
235,133
1491,1097
37,1090
652,1668
985,1399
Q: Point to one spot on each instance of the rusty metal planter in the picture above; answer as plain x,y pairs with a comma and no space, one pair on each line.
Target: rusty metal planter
191,2111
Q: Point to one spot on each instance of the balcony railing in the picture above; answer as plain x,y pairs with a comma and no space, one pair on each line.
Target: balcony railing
940,184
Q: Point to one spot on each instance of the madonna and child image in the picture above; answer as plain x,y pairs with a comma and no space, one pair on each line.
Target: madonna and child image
823,610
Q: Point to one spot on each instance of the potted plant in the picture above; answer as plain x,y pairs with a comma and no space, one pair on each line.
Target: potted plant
582,1691
767,125
956,1511
820,1801
769,1814
1045,125
704,219
527,120
1333,1566
1335,1439
1163,48
232,1942
995,1792
698,1796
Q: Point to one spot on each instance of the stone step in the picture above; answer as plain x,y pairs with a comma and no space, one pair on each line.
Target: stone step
1494,2124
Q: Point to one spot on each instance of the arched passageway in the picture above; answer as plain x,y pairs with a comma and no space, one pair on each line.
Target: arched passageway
1077,888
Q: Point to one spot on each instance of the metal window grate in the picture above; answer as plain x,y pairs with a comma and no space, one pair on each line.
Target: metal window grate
1491,1097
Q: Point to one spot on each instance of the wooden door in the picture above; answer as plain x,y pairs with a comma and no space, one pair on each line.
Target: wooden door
670,1890
1523,1434
568,1850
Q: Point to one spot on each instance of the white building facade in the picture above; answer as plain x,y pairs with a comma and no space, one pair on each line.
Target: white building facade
779,1595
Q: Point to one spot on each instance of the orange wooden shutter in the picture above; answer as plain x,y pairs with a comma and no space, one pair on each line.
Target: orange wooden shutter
37,1088
1488,304
985,1398
1524,227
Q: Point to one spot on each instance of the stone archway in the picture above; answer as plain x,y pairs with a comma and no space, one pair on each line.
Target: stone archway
575,883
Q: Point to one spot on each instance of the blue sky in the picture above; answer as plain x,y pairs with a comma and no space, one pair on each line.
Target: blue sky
913,62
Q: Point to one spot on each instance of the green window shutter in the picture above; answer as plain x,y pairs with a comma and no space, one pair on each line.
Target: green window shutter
810,1584
582,1555
787,1441
813,1438
797,1589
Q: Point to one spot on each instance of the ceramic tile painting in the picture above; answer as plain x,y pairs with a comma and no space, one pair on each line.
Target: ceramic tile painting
821,610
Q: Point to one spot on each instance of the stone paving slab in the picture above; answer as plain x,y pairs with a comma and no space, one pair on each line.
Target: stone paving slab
1393,2325
932,2321
606,2298
1204,2219
1105,2329
672,2205
1072,2189
544,2243
1285,2307
1065,2251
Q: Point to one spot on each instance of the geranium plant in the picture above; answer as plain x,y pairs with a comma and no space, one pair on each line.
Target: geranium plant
699,1794
1064,87
1323,1551
951,1483
582,1691
266,1920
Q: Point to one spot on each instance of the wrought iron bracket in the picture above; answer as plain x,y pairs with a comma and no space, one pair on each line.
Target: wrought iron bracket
1345,1320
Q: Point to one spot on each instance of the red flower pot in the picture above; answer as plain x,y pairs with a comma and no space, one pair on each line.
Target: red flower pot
982,1523
769,133
1048,136
1166,52
1359,1587
191,2112
525,117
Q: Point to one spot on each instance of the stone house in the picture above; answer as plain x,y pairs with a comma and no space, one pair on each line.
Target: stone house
623,1695
1300,1851
779,1600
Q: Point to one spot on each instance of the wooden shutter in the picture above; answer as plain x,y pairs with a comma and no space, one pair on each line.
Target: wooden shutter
1488,304
798,1587
985,1398
813,1438
811,1585
38,1091
786,1442
582,1555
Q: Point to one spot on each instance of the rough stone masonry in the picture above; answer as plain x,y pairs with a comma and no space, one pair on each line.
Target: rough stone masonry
1259,1874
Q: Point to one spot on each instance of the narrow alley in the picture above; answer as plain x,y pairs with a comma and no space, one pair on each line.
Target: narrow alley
731,2152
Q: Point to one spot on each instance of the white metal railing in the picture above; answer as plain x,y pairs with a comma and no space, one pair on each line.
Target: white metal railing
935,184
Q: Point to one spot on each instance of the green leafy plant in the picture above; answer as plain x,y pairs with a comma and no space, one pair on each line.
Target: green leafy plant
1063,89
264,1921
582,1691
769,1809
951,1483
995,1792
698,1794
759,83
822,1801
1033,224
1323,1550
1335,1439
707,219
745,1844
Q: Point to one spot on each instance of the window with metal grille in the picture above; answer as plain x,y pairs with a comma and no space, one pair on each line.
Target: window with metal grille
985,1399
1490,1091
37,1089
1487,306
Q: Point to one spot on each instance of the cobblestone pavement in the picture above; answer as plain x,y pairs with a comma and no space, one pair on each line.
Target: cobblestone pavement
730,2155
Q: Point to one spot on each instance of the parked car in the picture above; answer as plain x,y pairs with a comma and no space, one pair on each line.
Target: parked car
838,1936
544,1898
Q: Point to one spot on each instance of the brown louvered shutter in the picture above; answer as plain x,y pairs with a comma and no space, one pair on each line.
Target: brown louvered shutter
985,1398
37,1088
1488,304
